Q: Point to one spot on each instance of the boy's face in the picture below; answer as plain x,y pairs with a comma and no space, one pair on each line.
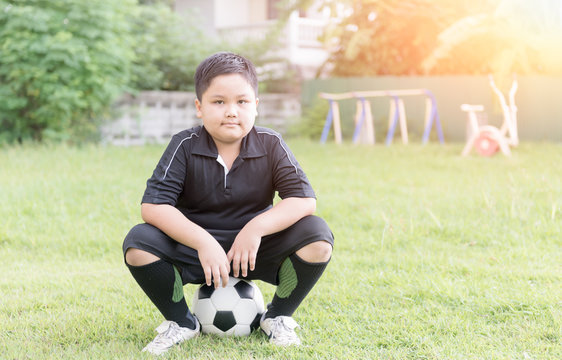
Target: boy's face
228,108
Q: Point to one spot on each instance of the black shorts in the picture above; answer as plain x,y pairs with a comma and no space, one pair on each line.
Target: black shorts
273,250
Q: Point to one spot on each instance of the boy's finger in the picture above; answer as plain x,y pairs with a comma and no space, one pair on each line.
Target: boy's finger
244,264
236,266
252,261
207,271
224,278
216,277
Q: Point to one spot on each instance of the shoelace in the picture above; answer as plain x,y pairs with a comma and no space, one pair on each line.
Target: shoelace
167,336
283,328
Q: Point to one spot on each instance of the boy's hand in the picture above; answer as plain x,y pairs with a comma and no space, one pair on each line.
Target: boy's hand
243,252
215,263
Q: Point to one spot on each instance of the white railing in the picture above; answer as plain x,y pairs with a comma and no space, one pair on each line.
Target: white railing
309,31
154,116
239,33
306,31
150,117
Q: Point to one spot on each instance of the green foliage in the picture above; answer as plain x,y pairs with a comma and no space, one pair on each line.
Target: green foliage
311,122
169,3
386,37
62,64
512,36
419,37
275,72
167,49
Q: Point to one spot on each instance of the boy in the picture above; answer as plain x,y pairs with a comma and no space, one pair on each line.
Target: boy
208,211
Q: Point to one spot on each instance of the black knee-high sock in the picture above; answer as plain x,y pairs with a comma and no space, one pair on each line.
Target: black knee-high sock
296,278
162,283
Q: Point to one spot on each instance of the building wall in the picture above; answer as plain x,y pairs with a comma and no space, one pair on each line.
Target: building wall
239,20
231,13
258,10
204,11
214,14
154,116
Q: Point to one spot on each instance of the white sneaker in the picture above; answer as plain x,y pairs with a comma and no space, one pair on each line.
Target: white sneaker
281,330
170,334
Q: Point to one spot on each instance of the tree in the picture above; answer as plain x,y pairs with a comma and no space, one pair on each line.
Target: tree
62,63
167,49
276,73
419,37
387,37
515,36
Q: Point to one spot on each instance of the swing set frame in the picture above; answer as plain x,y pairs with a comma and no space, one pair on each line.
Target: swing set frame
364,131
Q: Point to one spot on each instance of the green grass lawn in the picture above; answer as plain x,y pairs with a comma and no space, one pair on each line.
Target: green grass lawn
437,256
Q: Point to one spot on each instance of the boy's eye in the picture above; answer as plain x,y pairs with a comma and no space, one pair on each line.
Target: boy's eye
219,102
242,101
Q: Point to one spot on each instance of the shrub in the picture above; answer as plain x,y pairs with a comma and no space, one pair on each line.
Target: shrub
312,121
167,49
62,64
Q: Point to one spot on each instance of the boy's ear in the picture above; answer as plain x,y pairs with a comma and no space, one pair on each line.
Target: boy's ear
198,108
257,102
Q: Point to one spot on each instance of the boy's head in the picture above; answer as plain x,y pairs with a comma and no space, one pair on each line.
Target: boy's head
226,86
223,63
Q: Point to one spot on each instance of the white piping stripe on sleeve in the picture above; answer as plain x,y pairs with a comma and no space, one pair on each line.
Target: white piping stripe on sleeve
174,155
286,152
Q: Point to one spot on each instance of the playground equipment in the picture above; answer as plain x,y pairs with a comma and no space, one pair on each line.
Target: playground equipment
488,139
364,131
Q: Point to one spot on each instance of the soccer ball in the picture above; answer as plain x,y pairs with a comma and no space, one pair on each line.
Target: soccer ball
233,310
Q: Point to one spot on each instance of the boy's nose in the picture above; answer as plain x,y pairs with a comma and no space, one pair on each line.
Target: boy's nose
231,111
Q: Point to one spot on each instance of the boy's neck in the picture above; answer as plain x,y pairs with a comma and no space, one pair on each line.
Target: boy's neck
229,152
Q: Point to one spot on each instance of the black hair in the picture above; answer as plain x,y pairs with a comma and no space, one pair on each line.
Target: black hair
223,63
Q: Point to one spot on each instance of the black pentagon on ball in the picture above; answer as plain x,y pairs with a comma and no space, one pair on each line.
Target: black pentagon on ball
256,322
206,291
224,320
244,290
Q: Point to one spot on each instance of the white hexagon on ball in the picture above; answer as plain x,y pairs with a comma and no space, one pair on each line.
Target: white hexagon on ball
206,311
225,299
